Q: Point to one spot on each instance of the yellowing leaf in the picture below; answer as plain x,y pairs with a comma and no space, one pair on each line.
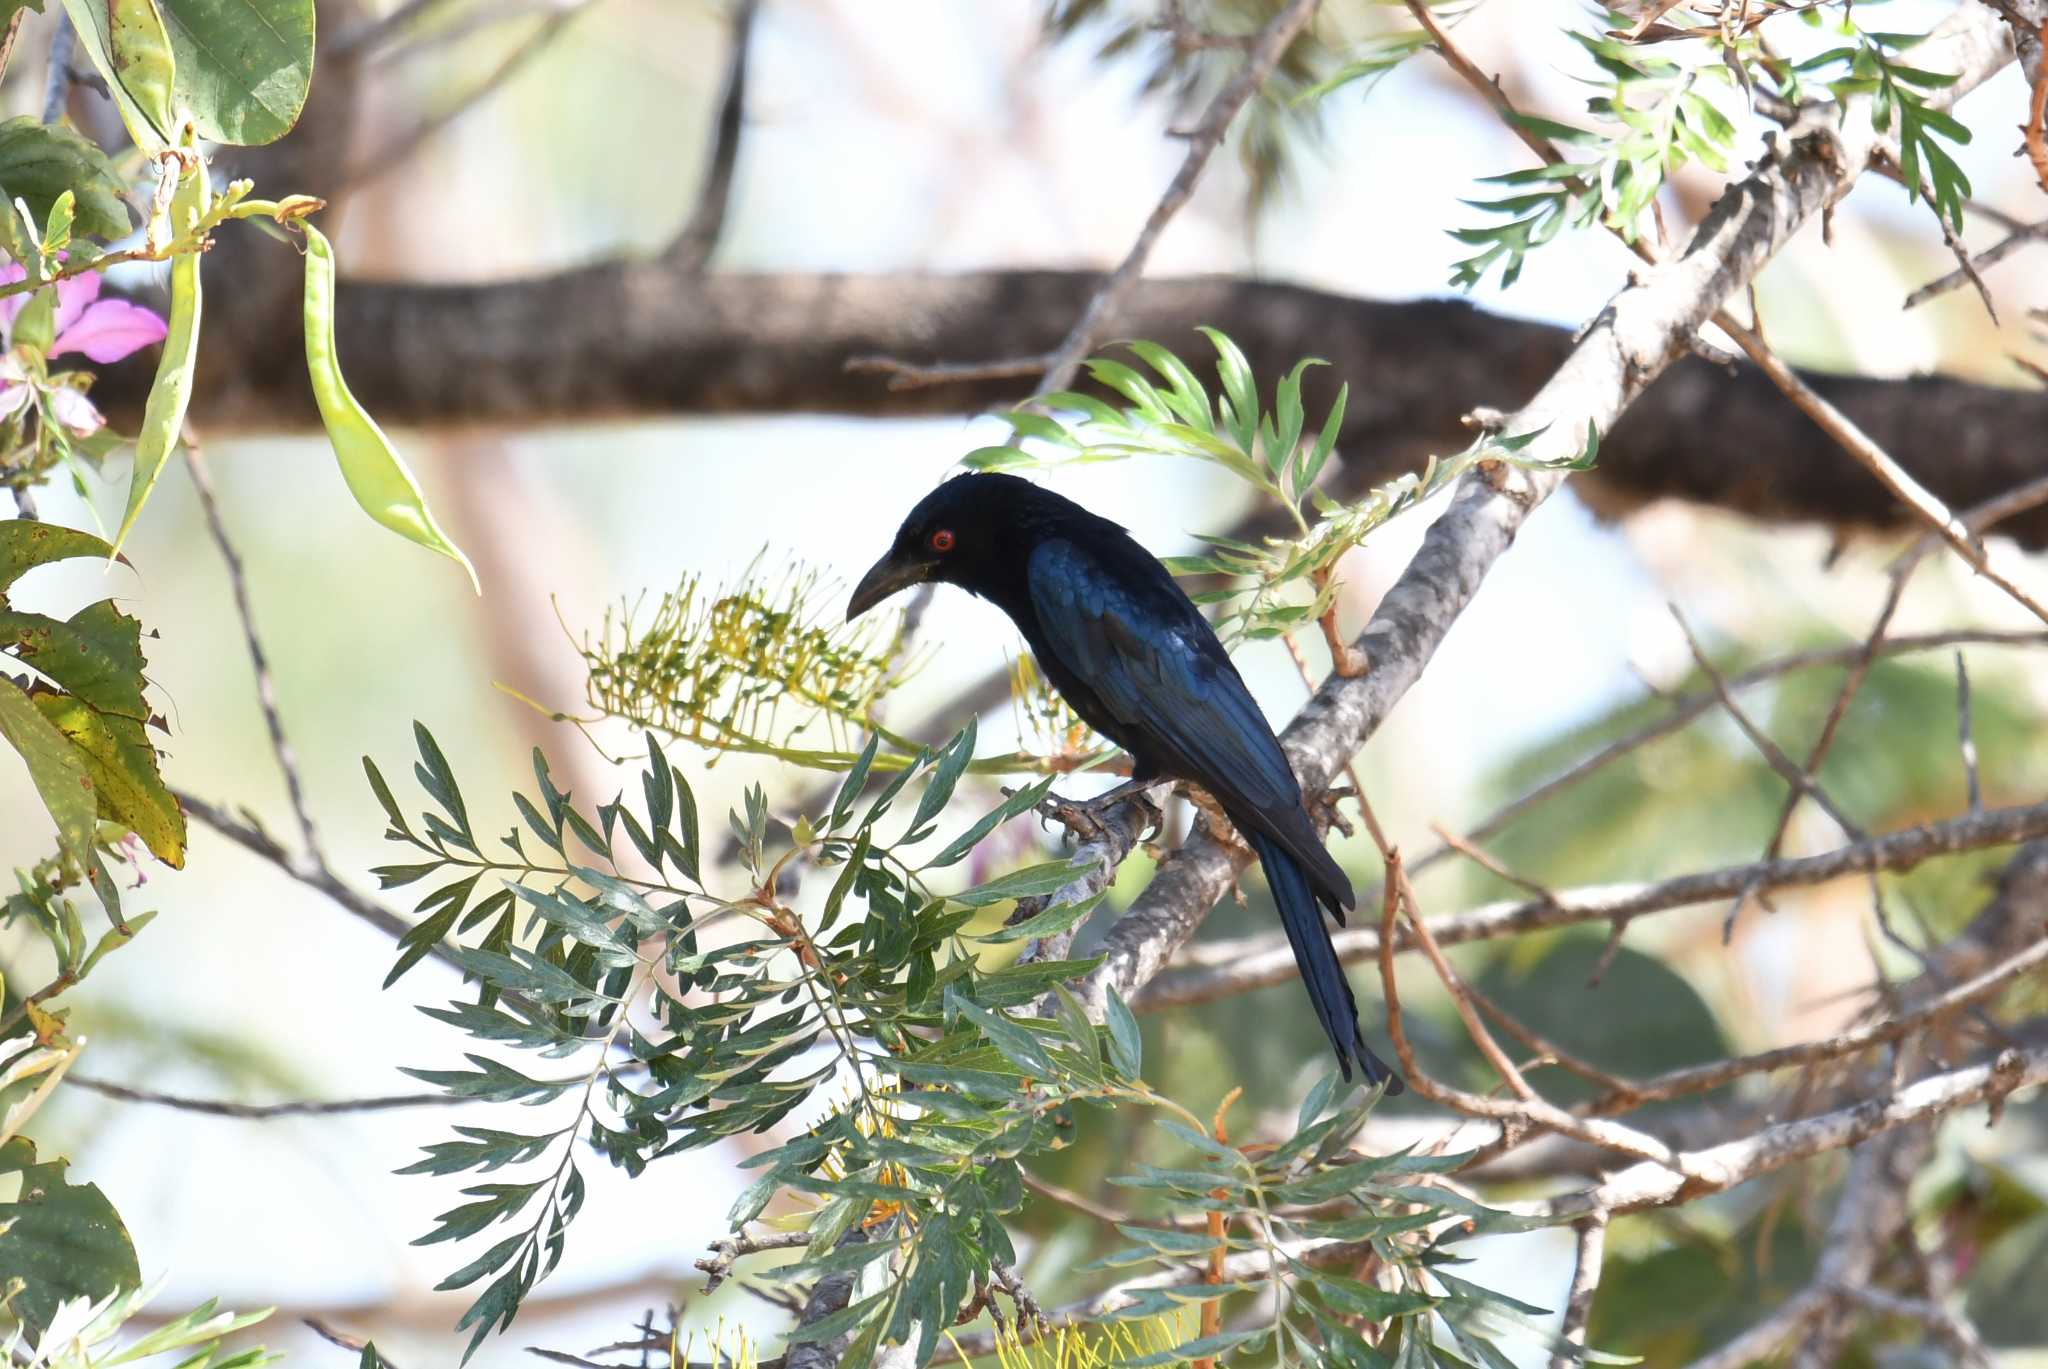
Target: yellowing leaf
122,766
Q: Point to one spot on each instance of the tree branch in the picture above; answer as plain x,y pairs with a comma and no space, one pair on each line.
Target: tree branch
1641,333
1221,968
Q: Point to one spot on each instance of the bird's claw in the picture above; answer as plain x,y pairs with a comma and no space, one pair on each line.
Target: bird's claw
1083,817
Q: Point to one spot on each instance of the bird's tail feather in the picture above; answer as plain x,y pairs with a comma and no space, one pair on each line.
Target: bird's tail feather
1316,958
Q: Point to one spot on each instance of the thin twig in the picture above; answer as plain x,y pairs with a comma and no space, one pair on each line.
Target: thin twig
1877,461
1260,59
2016,238
266,685
247,834
1700,1078
264,1112
1223,968
1801,780
365,38
1591,1230
401,148
694,245
1689,707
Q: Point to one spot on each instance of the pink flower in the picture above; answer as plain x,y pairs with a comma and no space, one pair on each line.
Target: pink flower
101,330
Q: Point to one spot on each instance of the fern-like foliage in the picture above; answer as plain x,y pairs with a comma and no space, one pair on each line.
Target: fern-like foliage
1285,582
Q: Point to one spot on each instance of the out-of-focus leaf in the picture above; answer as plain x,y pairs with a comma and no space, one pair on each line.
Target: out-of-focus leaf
127,42
62,1240
39,162
54,766
243,65
163,415
377,476
26,543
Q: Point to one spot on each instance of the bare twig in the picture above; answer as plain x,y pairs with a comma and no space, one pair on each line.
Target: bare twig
401,148
301,867
366,37
1801,780
1591,1230
1223,968
732,1249
2015,239
1260,59
692,248
1691,706
259,662
264,1112
1719,1168
1874,458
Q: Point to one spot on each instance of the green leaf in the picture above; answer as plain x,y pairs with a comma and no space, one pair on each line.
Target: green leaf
97,655
63,1240
243,65
123,768
54,766
1126,1047
1048,878
26,544
1016,1043
1054,920
1022,801
163,416
377,476
952,764
40,162
127,41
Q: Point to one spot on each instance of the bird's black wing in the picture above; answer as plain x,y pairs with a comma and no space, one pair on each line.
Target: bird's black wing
1154,663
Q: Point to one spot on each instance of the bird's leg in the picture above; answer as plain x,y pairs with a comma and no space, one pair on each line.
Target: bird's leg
1081,816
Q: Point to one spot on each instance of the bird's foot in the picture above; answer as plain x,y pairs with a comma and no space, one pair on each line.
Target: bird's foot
1220,825
1323,809
1083,817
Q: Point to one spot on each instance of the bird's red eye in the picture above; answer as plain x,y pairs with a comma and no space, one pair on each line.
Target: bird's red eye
942,540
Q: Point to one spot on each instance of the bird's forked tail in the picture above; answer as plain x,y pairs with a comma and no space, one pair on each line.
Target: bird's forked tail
1316,958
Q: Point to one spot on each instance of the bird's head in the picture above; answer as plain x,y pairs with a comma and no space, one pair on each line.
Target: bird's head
975,531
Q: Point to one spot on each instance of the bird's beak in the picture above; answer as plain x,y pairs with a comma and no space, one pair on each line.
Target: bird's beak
886,577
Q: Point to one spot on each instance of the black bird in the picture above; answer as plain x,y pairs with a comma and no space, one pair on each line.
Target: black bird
1136,659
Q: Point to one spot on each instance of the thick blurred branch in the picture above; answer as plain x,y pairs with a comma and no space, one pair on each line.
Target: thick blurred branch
645,337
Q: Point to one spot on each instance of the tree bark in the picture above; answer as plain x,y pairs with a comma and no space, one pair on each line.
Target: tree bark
646,338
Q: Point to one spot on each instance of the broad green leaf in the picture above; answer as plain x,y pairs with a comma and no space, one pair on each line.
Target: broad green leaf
127,41
122,766
63,1240
1126,1047
39,162
163,416
54,766
26,544
243,65
376,474
97,655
